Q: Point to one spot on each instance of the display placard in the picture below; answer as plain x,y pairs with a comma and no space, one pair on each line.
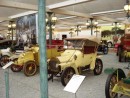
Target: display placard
8,64
74,83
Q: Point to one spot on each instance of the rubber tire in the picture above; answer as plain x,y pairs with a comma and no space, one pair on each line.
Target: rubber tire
13,68
105,50
109,44
64,73
2,58
50,75
107,86
25,68
97,66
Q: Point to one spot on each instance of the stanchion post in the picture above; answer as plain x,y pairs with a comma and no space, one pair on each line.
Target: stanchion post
7,83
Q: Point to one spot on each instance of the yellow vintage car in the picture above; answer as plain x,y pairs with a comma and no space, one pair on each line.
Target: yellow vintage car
28,61
80,54
117,83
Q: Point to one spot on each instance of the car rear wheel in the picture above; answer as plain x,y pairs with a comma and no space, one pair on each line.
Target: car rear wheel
105,51
16,68
30,68
98,67
67,75
109,44
4,60
110,83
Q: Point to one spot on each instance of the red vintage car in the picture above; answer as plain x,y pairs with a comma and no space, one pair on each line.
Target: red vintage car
123,49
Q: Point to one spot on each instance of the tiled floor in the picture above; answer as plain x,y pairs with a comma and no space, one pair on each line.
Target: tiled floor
29,87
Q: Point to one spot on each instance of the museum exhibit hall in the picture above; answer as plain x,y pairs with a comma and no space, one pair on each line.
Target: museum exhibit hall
64,48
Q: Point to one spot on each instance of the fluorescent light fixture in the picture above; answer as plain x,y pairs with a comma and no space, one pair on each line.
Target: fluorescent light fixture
67,17
107,12
107,24
22,14
67,3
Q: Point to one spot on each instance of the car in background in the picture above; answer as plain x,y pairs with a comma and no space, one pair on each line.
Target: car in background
123,49
5,43
8,48
103,47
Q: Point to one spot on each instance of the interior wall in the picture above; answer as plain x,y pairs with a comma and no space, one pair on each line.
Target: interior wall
58,35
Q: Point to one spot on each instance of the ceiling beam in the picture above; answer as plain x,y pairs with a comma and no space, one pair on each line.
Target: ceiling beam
18,5
67,3
108,12
65,23
2,29
66,12
104,18
3,18
83,15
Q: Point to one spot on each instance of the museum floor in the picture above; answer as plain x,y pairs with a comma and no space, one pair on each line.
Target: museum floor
28,87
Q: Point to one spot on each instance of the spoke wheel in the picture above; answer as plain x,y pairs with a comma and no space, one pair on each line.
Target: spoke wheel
30,68
4,60
67,75
110,83
98,67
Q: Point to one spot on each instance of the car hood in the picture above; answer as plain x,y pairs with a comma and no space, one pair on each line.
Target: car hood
67,55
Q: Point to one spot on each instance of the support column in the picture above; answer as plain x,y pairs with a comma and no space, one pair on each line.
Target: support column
42,46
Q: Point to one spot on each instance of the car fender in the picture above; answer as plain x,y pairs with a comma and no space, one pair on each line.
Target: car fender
69,64
115,70
92,65
6,53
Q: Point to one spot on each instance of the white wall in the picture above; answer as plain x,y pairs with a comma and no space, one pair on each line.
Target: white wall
82,33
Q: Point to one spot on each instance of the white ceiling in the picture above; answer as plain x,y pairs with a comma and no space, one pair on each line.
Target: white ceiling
88,8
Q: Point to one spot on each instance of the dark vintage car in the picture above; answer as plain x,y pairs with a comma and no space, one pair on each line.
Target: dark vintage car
103,47
5,43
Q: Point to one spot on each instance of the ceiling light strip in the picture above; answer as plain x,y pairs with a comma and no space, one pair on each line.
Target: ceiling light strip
107,12
22,14
69,17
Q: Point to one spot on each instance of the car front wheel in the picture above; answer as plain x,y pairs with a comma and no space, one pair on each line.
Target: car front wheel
4,60
98,67
16,68
67,75
30,68
110,83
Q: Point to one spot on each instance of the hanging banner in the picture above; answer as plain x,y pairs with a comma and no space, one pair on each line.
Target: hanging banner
26,29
